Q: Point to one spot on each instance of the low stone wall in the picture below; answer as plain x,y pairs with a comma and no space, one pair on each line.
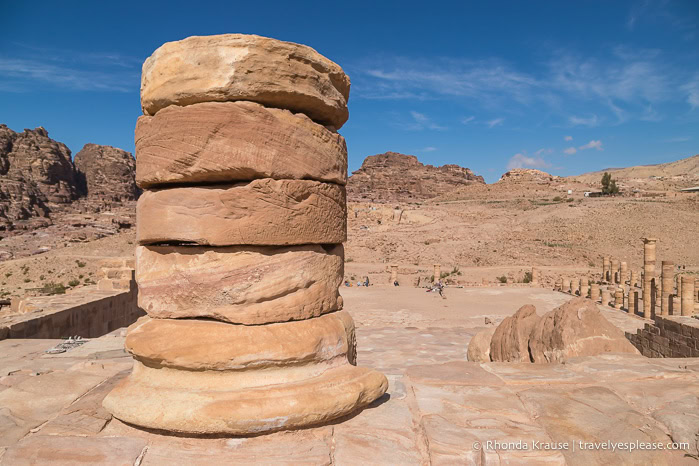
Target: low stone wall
668,337
88,312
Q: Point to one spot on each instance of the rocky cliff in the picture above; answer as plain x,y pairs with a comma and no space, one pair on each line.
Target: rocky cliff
528,175
38,177
394,177
106,173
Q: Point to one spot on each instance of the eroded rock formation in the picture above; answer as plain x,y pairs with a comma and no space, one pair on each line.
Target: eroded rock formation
106,173
394,177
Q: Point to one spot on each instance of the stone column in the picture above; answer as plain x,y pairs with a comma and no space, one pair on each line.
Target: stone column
687,303
584,288
668,275
394,274
618,298
614,275
648,276
437,272
240,232
594,292
606,267
606,296
632,304
624,273
558,286
634,278
535,276
566,285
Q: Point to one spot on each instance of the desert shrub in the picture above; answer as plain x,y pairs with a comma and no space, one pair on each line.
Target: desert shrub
53,288
502,279
80,263
74,283
27,280
8,274
557,199
527,277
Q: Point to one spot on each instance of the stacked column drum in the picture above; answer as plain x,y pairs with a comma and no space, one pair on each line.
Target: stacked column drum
240,233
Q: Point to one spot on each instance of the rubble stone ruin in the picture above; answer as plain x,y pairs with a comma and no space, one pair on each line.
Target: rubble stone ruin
240,235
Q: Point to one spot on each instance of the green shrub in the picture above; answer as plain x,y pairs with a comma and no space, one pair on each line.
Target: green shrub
73,283
502,279
80,263
527,277
53,288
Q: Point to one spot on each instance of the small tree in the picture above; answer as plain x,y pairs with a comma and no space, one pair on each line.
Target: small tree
609,185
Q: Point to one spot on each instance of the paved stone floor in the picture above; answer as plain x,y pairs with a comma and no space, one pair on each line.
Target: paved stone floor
439,409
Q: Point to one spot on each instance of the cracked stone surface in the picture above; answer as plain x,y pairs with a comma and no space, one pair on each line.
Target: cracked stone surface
439,408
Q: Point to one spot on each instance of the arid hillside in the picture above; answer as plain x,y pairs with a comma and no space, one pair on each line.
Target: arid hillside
684,169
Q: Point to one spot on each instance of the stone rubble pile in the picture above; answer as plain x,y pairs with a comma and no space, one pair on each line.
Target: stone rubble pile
240,233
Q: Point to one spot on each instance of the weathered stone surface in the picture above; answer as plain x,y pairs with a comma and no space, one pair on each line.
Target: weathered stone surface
161,401
195,344
232,67
510,340
577,328
596,414
246,285
106,173
262,212
59,450
229,141
479,346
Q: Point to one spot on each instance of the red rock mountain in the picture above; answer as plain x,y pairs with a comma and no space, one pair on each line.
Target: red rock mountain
394,177
38,177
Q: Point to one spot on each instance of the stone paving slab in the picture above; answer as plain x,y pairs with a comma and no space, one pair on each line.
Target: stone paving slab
439,409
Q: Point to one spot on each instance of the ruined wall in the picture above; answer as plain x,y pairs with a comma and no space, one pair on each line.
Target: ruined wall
668,337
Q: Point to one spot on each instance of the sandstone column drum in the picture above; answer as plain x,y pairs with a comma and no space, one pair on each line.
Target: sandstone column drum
240,233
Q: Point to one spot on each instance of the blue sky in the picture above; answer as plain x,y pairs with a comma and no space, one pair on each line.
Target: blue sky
566,87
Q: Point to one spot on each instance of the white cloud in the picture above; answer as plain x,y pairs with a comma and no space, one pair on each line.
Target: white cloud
692,91
678,139
429,149
592,145
495,122
468,120
418,122
568,138
520,160
545,151
570,150
584,121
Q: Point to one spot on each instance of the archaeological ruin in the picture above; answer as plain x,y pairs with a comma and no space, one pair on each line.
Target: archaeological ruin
240,232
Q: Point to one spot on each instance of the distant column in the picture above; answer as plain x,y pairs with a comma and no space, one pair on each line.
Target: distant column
566,285
624,273
648,276
594,292
394,274
634,278
668,271
606,296
535,276
687,295
437,272
605,268
618,298
614,272
584,288
632,304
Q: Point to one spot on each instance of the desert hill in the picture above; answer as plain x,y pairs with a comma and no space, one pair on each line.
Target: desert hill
394,177
686,168
38,178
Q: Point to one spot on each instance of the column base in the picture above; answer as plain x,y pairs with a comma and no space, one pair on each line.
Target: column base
141,400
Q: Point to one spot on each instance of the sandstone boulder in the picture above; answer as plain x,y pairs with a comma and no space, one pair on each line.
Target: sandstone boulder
577,328
479,346
196,344
230,141
511,337
262,212
165,399
231,67
246,285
